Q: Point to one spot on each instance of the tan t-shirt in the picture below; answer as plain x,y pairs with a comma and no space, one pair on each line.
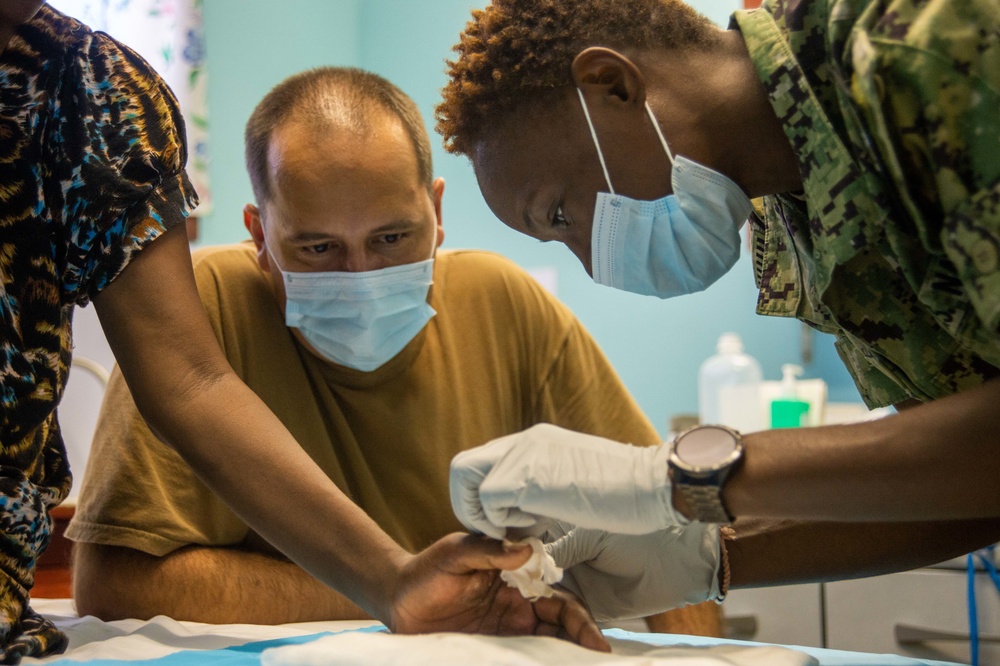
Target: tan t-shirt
500,355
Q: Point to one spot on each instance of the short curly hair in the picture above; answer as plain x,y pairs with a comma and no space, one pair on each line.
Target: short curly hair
516,52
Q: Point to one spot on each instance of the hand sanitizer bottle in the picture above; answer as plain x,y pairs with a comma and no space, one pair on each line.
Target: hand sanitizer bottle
789,410
729,387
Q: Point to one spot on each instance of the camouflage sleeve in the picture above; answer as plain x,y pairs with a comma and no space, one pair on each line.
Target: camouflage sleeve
927,81
118,129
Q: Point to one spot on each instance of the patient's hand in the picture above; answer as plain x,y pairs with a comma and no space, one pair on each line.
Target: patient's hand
454,585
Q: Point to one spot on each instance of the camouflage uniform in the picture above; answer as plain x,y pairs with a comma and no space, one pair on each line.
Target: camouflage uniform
893,109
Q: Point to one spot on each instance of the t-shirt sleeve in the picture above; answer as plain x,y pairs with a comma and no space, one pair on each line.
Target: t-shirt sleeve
117,149
929,90
581,391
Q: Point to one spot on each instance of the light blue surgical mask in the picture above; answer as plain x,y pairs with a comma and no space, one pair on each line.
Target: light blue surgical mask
360,320
678,244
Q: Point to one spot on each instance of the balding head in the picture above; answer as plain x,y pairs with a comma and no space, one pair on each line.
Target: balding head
330,101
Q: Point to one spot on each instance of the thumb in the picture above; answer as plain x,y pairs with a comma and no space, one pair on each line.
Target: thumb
467,553
580,545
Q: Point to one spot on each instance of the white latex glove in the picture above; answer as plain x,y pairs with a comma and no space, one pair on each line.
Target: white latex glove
530,479
622,576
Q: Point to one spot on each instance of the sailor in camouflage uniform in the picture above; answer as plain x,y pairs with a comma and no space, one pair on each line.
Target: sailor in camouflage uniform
868,134
894,245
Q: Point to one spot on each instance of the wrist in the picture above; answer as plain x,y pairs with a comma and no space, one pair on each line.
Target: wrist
666,492
701,460
390,585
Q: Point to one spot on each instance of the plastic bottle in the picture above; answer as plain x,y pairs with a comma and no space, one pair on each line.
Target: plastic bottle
789,410
729,387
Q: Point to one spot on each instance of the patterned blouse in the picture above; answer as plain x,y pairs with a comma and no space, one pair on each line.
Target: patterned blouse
91,171
892,108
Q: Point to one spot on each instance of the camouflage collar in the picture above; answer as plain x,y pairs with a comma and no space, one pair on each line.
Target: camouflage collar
842,194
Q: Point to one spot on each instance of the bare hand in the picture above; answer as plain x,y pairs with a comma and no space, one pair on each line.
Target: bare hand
454,585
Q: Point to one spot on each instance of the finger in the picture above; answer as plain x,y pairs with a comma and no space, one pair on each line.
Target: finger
507,517
580,545
467,473
552,630
475,553
568,613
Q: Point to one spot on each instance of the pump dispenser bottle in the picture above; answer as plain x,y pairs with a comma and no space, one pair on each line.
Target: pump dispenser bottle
729,387
789,410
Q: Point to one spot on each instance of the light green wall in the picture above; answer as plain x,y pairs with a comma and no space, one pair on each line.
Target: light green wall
656,346
251,46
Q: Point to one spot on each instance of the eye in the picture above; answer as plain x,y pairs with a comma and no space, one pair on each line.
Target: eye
321,248
392,239
559,218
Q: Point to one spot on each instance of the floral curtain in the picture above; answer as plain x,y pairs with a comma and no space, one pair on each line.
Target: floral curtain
168,34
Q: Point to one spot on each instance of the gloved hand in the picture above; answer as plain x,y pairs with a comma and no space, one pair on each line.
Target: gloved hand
530,479
622,576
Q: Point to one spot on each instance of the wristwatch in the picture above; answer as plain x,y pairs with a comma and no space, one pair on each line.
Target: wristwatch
700,460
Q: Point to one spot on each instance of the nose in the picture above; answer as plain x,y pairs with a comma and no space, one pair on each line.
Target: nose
358,260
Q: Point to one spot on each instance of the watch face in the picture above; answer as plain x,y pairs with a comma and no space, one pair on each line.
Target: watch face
707,447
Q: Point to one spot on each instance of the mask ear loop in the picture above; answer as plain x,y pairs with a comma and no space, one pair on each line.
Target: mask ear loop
597,144
659,133
434,242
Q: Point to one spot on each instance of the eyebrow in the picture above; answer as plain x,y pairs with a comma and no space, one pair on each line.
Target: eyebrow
313,236
305,236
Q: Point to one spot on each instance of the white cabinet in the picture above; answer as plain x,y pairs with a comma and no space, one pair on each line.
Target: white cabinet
791,615
921,614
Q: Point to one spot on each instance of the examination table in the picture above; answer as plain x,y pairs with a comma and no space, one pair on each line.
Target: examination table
165,642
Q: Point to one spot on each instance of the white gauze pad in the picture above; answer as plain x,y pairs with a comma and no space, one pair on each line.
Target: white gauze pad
534,579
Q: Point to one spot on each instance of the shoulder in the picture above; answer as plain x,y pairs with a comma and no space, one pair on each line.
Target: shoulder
236,261
51,34
480,279
484,272
91,61
228,271
488,264
107,101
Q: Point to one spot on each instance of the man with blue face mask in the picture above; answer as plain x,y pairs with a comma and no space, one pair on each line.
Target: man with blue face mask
636,132
385,355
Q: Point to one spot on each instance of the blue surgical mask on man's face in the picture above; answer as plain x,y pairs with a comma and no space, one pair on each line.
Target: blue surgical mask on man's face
360,320
678,244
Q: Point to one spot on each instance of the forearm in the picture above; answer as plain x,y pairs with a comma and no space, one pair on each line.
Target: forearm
215,585
288,500
767,553
939,461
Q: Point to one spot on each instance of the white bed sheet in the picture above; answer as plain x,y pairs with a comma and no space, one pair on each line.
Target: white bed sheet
93,639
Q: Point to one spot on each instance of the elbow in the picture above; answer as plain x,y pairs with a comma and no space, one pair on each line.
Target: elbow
105,585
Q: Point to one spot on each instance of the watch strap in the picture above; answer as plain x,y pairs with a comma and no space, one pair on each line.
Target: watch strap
705,501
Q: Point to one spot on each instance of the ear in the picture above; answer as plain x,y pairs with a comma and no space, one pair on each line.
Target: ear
437,191
251,220
602,71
